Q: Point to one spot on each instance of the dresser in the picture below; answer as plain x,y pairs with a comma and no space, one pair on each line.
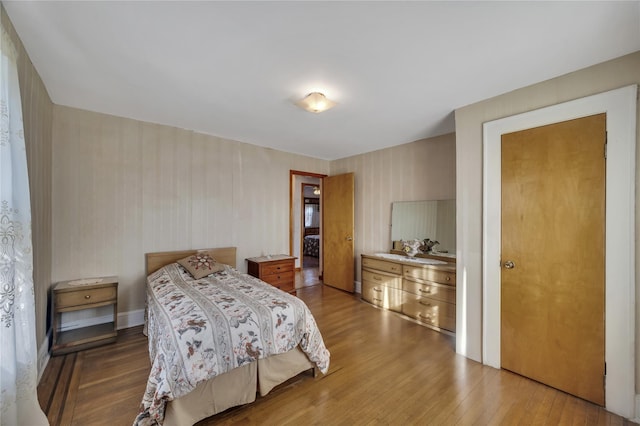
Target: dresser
77,295
277,270
423,292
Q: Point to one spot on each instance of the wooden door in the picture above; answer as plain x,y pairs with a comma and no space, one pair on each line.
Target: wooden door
553,254
337,231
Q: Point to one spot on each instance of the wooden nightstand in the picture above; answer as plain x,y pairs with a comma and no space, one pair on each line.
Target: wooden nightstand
82,294
277,270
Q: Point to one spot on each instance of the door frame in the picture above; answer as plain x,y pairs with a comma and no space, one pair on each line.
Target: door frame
292,215
620,106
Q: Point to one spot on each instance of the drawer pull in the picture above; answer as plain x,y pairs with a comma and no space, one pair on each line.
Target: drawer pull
448,278
88,296
377,300
278,276
424,303
377,289
427,317
424,291
377,278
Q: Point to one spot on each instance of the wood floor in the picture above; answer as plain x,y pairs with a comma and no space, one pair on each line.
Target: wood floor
384,371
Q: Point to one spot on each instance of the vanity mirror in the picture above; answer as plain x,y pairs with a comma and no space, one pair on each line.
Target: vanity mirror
433,219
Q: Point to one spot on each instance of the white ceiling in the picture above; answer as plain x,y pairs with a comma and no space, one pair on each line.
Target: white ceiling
234,69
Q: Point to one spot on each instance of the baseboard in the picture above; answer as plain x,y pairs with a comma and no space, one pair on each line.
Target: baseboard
125,320
358,287
637,418
130,318
43,355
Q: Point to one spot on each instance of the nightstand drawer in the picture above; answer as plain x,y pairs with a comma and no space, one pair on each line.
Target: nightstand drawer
280,280
277,268
85,297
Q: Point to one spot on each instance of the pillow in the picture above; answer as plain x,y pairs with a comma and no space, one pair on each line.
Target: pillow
201,264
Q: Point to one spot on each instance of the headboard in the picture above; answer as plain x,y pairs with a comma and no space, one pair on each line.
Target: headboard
155,261
311,231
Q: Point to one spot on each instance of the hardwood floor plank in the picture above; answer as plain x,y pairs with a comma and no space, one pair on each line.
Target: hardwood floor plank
72,393
48,382
56,408
556,408
384,370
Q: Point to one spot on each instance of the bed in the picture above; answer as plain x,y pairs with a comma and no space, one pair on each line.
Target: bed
263,337
311,245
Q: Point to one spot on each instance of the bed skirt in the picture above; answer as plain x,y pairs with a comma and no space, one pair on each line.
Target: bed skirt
236,387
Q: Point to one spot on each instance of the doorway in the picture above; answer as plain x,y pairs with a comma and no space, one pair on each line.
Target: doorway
620,107
308,268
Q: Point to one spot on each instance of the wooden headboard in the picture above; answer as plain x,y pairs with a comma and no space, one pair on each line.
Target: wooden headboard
155,261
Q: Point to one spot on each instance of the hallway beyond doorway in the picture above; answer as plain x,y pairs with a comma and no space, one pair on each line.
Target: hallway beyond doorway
308,277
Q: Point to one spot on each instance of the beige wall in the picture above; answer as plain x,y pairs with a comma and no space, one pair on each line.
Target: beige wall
122,188
421,170
596,79
37,113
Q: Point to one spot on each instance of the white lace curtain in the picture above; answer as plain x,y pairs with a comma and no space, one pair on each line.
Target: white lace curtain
18,348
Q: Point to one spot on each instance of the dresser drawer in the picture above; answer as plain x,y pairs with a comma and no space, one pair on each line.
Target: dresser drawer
382,296
376,277
428,274
430,311
442,292
382,265
85,297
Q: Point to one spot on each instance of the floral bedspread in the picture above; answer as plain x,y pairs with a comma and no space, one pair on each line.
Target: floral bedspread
311,245
198,329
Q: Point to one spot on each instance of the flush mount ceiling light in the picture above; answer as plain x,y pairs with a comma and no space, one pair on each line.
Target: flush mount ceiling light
315,102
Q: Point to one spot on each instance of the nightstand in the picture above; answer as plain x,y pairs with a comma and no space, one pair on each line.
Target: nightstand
277,270
76,295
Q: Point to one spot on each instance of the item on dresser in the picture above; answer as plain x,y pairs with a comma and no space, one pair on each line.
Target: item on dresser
214,341
82,294
411,247
422,289
429,246
276,269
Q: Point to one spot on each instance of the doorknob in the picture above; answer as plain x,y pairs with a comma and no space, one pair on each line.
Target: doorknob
509,264
349,238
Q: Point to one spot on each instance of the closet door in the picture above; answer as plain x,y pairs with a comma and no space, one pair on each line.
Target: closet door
553,255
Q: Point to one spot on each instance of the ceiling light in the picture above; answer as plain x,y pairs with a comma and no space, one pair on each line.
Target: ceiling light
315,102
